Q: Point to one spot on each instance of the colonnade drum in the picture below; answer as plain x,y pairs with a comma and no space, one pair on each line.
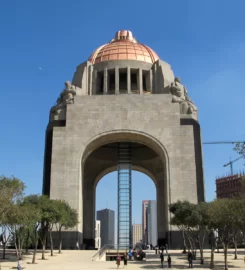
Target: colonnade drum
124,92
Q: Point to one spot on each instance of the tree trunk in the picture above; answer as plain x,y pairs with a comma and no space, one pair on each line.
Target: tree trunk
235,244
51,243
212,258
35,249
4,250
213,247
43,249
225,255
20,248
43,245
60,241
200,240
201,254
184,241
27,240
16,249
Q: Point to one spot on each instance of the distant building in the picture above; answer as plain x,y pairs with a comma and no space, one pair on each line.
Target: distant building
144,222
229,186
137,233
152,222
97,235
107,226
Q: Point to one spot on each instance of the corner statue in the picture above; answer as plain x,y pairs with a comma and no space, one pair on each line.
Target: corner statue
66,97
180,96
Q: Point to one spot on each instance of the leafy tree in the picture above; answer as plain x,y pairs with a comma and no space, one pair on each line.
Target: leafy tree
11,189
193,220
66,218
34,202
43,206
223,219
54,217
4,237
180,211
18,220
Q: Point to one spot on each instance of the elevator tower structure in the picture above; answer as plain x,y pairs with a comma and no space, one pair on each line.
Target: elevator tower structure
124,94
124,210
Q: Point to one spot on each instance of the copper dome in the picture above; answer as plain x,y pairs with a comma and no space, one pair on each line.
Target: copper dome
123,47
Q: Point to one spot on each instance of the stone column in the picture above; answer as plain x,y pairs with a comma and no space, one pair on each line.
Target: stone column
117,81
129,80
155,89
90,79
140,81
150,81
88,214
105,81
94,82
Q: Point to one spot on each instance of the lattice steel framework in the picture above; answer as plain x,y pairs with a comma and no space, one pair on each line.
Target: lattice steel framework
124,210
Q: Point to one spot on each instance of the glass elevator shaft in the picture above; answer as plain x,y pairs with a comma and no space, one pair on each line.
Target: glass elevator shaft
124,211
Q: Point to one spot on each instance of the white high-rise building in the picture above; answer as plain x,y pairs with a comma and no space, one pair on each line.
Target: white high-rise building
97,235
136,234
152,222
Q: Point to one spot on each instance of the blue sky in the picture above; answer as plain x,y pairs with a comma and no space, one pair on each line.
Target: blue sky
203,41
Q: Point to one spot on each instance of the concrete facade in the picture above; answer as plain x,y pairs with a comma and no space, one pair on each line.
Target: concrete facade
152,223
86,124
107,226
97,234
144,222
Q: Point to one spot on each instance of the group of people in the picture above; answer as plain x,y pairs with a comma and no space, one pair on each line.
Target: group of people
169,260
125,260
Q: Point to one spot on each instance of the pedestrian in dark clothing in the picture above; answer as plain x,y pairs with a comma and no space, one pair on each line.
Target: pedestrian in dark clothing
125,260
190,260
162,259
169,261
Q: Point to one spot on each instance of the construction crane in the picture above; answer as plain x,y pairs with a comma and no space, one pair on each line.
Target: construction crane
231,163
224,142
228,142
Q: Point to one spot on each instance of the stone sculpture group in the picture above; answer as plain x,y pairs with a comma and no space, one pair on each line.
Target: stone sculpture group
178,91
180,96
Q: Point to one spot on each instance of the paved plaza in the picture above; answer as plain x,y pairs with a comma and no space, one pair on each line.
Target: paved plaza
72,260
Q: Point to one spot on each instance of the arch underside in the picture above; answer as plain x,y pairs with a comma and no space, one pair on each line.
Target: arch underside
100,158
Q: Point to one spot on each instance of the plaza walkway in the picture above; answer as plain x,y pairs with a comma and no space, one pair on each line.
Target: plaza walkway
79,260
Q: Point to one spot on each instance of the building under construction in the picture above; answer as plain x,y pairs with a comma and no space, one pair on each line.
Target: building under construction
229,186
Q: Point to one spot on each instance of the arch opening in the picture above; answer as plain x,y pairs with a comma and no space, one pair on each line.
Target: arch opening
141,219
100,158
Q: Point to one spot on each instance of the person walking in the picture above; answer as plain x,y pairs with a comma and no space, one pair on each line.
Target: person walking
130,255
162,259
169,261
190,260
125,260
77,246
19,267
118,260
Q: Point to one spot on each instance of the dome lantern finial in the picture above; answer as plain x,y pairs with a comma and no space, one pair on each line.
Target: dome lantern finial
124,34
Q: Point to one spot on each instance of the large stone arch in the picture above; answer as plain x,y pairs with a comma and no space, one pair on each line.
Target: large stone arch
99,158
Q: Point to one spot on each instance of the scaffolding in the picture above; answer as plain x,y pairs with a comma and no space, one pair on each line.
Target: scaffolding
124,211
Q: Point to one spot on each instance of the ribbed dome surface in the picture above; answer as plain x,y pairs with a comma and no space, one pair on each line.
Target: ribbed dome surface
123,47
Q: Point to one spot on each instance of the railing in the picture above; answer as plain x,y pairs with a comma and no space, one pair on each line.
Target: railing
100,253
